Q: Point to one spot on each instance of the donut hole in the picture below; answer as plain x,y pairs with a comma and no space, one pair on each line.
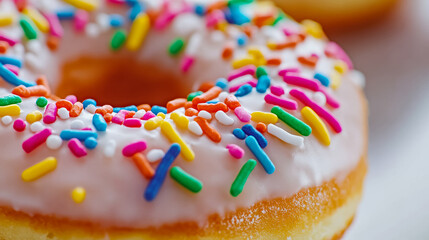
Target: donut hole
120,81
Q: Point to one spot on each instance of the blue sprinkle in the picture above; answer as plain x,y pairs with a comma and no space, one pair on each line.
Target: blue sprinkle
222,83
262,157
324,80
11,61
88,102
251,131
135,10
116,20
131,2
213,102
199,10
238,133
157,109
66,13
99,122
79,134
236,16
243,90
129,108
11,78
263,84
90,143
161,172
242,40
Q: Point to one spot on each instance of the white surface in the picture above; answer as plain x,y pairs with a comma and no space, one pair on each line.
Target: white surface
394,55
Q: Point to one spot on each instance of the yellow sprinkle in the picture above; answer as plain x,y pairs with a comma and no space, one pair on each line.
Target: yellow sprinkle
255,52
38,19
238,63
139,29
11,110
78,194
161,114
320,130
6,19
180,120
222,26
153,123
340,66
88,5
313,28
272,45
168,130
34,117
39,169
335,80
264,117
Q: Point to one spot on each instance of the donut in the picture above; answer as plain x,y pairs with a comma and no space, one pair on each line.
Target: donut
175,120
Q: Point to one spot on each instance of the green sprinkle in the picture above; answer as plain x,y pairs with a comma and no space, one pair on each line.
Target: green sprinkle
118,39
176,46
8,100
261,71
238,184
28,27
239,2
280,17
185,179
41,102
191,96
292,121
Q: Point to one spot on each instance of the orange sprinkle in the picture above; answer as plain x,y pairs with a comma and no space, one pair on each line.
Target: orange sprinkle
43,82
212,108
143,165
309,61
145,107
4,46
265,19
153,15
217,6
227,52
20,5
52,42
232,102
130,114
108,117
55,98
207,96
205,86
208,129
191,112
261,127
33,91
175,104
104,110
248,31
76,109
188,105
64,104
274,61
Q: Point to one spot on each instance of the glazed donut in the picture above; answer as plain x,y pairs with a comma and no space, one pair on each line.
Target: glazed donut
175,120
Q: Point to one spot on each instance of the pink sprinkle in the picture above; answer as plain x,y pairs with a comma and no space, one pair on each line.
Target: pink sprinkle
284,103
71,98
187,62
133,148
119,117
55,27
252,83
148,115
331,120
77,148
288,70
19,125
163,20
10,41
250,69
132,122
330,100
242,114
301,82
12,68
335,51
50,114
235,151
36,140
119,2
277,90
81,18
86,129
214,18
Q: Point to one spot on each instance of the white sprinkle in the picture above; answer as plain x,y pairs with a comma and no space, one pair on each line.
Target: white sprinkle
63,113
222,96
140,113
193,45
205,114
92,30
357,77
195,128
319,98
109,149
36,127
18,51
103,21
285,136
223,118
243,79
91,108
33,61
54,142
185,24
34,46
155,155
77,124
6,120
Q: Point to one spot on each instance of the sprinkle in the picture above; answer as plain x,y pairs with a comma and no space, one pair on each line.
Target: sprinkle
235,151
227,52
246,70
238,184
211,108
320,130
36,127
168,130
264,83
238,133
261,71
264,117
277,90
79,134
251,131
208,130
232,102
301,82
252,82
110,149
333,50
19,125
285,136
72,99
242,114
157,109
6,120
222,96
287,104
143,165
148,115
9,100
11,61
205,114
33,91
329,99
11,110
139,29
50,114
38,19
140,113
54,142
153,123
329,118
34,117
77,148
313,28
11,78
78,194
76,109
244,90
222,83
187,62
119,118
176,46
128,108
118,39
88,5
39,169
292,121
63,113
6,19
135,10
242,40
324,80
185,179
116,20
99,122
28,28
195,128
133,148
161,172
88,102
133,123
259,153
180,120
261,127
90,143
55,26
207,96
223,118
155,155
41,102
319,98
7,39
